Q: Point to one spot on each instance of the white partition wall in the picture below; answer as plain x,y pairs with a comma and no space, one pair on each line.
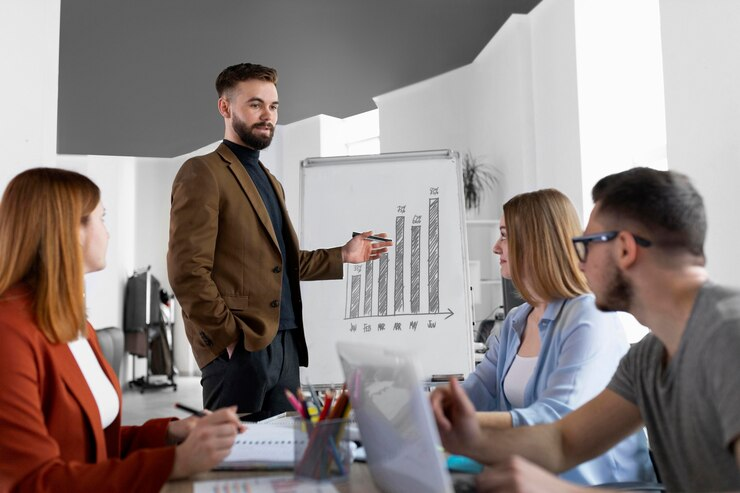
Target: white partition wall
621,109
29,59
559,97
555,90
702,94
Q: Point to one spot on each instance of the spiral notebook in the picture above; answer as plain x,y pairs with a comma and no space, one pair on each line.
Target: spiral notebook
262,446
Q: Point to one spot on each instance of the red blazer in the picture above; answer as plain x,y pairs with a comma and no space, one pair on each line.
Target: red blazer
51,437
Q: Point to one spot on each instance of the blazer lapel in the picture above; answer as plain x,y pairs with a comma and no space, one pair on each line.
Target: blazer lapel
70,371
250,190
280,194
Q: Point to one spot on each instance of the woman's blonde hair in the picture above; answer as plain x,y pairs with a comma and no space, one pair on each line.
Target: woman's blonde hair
41,212
539,228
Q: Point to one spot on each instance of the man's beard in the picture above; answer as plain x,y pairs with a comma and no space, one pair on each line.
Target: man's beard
618,294
247,135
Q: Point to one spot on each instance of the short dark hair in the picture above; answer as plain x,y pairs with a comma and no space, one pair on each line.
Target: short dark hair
231,76
665,203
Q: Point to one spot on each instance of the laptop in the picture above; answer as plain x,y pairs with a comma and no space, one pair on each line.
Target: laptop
396,423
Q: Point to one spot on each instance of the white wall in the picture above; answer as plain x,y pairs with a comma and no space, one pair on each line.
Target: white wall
702,93
432,114
116,178
554,76
29,54
500,111
621,110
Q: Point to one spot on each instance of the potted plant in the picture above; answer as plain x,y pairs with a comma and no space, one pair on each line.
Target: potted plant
477,178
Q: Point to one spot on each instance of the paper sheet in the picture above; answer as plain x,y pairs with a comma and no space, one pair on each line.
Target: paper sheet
265,484
262,446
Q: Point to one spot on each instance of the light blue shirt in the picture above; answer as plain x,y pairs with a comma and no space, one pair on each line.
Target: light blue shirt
580,349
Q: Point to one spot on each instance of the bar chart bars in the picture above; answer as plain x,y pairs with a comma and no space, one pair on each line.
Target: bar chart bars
433,255
412,285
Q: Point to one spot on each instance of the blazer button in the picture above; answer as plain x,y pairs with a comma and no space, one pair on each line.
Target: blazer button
276,269
274,303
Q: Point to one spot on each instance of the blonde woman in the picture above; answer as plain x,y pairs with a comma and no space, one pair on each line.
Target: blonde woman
60,405
557,350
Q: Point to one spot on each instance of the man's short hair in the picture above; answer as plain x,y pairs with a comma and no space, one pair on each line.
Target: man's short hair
233,75
663,204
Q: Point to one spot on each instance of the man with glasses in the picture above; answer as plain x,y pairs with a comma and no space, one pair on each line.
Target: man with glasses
642,252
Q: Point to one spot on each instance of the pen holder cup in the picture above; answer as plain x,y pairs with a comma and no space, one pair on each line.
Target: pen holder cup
322,450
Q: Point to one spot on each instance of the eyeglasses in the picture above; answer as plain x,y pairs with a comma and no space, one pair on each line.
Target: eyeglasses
581,242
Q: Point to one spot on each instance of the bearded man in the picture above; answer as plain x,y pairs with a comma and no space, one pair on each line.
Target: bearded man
642,252
234,261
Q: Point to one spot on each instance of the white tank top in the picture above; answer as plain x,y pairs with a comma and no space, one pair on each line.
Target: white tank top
102,390
516,379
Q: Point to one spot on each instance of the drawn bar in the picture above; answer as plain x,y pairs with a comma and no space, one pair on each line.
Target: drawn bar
354,307
398,278
415,269
383,285
433,255
369,288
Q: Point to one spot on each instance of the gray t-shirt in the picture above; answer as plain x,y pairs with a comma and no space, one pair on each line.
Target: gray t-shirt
691,407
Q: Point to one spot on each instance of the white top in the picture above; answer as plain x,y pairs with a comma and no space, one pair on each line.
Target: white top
102,389
517,378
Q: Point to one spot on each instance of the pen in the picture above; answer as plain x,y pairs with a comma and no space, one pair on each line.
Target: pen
195,412
371,237
189,409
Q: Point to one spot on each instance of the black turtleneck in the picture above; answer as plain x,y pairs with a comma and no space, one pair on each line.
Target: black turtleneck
250,160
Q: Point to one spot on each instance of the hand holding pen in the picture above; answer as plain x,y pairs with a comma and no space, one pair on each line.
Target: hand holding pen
208,439
190,422
365,246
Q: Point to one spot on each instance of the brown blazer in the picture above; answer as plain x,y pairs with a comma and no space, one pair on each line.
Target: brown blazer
51,437
224,262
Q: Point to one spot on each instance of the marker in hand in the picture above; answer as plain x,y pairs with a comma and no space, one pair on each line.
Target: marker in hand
371,237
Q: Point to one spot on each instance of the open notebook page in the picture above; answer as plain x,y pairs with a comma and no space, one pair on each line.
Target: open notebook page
262,446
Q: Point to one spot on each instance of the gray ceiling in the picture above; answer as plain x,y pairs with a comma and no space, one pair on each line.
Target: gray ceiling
136,76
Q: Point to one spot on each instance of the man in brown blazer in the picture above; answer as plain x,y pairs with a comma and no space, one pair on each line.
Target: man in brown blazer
234,261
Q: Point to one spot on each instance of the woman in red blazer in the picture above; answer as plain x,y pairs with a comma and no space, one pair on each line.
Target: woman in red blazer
60,403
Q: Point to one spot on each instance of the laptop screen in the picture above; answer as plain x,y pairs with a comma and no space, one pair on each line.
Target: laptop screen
395,419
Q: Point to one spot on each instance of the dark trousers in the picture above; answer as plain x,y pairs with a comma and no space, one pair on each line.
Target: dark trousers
253,381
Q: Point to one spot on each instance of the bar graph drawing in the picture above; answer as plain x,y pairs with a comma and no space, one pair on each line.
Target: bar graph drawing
367,286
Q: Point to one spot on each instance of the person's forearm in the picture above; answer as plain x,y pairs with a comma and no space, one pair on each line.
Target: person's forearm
494,419
541,444
321,264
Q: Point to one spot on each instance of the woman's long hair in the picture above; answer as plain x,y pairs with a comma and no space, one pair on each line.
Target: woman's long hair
539,228
41,213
